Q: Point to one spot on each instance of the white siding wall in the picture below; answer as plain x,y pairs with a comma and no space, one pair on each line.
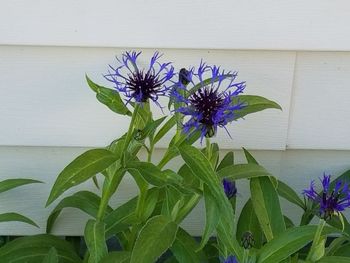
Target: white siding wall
48,115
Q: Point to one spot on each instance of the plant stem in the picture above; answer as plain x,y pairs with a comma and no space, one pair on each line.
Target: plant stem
131,128
151,148
316,239
208,148
113,180
245,255
109,186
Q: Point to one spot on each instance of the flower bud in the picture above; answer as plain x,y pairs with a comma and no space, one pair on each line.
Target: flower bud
229,188
247,240
183,76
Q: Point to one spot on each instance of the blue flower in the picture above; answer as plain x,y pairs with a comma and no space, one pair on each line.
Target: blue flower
229,188
141,84
231,259
211,102
331,201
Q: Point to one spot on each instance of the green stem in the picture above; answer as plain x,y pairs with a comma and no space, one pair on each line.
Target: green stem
131,128
109,186
113,180
150,152
208,148
245,256
316,239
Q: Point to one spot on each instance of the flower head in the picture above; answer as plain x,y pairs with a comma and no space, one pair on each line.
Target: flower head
138,84
229,188
210,103
331,200
231,259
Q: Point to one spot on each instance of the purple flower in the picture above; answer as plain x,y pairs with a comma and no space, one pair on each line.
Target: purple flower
229,188
330,200
141,84
231,259
211,102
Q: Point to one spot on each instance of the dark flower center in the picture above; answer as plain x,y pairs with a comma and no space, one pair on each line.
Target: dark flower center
330,202
144,86
207,102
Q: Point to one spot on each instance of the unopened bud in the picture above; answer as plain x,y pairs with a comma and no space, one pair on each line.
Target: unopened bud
248,240
183,76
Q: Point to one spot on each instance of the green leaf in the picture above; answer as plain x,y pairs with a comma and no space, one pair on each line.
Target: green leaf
267,206
13,183
242,171
81,169
95,240
319,250
335,245
51,257
215,154
178,141
248,221
121,218
289,194
150,128
165,128
84,200
202,169
189,179
7,217
254,104
343,250
33,249
190,201
211,216
249,157
288,222
288,243
151,173
228,160
156,236
117,257
334,259
109,97
184,248
172,196
207,82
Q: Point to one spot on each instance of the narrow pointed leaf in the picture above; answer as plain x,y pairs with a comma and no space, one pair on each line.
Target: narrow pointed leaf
150,173
288,243
254,104
13,183
8,217
34,249
109,97
242,171
248,221
164,130
228,160
203,170
211,217
84,200
81,169
184,248
289,194
94,235
157,235
267,207
121,218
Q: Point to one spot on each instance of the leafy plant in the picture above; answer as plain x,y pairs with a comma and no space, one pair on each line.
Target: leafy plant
147,227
